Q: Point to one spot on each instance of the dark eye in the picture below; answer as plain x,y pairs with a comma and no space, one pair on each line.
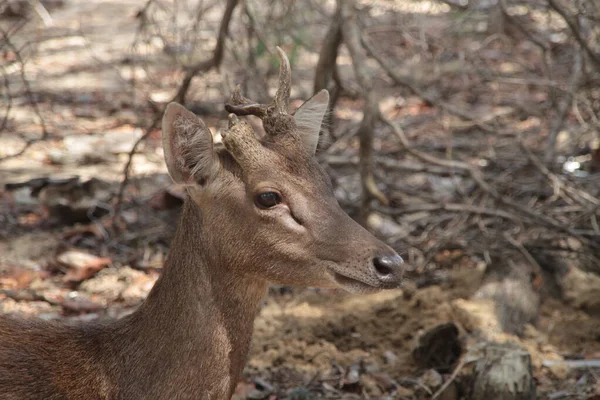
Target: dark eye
268,199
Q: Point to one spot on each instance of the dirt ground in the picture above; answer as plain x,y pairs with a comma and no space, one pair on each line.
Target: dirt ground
306,338
308,343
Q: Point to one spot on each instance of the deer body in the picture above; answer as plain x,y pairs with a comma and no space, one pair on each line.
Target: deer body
257,212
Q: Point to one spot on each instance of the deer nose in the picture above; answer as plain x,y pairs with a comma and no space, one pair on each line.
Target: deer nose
388,268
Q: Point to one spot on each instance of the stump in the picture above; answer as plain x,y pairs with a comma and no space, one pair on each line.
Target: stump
503,373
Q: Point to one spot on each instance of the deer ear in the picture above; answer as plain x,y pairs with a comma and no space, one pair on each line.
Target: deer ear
188,146
309,118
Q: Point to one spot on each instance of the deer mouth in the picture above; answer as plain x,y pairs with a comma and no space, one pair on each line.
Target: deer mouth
354,285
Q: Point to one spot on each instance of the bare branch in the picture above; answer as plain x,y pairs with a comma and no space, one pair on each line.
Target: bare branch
576,32
217,57
328,54
407,83
565,104
478,178
351,35
26,84
8,97
204,66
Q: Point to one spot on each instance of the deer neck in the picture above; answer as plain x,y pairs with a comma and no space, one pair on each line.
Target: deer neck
200,307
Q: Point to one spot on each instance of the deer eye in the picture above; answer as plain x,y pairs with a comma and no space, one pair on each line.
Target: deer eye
267,199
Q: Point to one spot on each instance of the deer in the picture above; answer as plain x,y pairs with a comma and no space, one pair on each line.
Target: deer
258,211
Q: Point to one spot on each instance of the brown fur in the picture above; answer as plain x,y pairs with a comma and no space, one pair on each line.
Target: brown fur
190,338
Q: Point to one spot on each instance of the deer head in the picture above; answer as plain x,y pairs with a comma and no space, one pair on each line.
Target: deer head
266,207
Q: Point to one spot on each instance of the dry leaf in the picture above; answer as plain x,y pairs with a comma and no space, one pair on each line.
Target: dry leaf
81,265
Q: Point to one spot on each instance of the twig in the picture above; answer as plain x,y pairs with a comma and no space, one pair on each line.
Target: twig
576,364
127,169
519,25
214,61
557,182
459,367
519,246
454,207
28,93
43,13
576,33
26,84
386,162
407,83
478,178
565,104
217,57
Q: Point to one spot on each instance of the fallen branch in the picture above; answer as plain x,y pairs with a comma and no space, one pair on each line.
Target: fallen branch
557,183
453,207
574,364
400,165
476,175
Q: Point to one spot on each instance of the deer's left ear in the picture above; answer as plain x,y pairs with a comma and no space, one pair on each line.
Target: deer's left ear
309,117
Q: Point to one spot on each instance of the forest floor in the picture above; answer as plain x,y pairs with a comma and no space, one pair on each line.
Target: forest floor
308,343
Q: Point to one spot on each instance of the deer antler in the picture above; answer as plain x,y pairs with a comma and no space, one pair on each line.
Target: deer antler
240,105
282,97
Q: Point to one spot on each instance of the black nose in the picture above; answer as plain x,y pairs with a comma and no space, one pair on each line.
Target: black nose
388,267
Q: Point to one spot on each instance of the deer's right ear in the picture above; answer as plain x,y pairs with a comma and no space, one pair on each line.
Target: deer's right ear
309,118
188,146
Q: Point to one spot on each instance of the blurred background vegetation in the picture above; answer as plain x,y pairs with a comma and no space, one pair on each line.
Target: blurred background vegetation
465,133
